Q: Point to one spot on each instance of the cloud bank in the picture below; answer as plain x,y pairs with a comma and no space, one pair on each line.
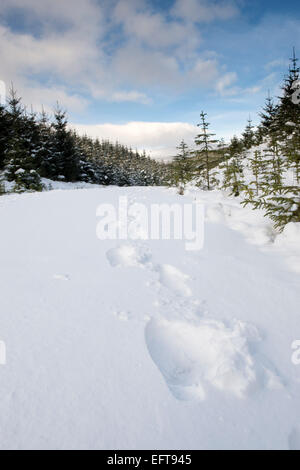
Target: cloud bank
118,51
157,138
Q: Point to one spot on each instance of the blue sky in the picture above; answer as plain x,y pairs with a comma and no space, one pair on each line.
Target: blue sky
124,67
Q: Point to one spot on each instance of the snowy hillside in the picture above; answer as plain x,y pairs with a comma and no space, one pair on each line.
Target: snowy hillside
142,344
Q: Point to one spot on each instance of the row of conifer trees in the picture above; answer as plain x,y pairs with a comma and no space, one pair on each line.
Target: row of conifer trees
32,147
269,153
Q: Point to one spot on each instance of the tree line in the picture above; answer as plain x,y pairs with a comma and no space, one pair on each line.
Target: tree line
32,147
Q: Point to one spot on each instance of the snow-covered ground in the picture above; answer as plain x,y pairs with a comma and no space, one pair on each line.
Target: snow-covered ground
141,344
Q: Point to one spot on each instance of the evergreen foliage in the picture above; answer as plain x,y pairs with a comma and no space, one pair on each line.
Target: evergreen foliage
32,147
270,155
249,135
182,167
205,142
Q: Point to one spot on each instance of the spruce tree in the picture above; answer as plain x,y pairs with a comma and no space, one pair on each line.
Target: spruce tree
268,116
289,109
257,166
45,158
182,166
19,155
205,142
290,148
249,135
66,156
233,176
281,208
3,134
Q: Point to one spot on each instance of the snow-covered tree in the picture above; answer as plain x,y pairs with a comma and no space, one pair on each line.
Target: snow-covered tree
249,135
233,176
268,116
205,142
289,108
182,166
66,155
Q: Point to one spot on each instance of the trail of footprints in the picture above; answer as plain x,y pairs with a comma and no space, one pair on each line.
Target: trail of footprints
193,351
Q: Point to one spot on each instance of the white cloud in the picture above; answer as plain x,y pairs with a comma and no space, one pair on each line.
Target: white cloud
203,10
152,28
204,72
74,54
132,96
226,81
45,97
143,67
58,60
84,15
159,139
276,64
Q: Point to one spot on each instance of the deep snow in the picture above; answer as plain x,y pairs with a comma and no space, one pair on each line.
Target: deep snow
142,344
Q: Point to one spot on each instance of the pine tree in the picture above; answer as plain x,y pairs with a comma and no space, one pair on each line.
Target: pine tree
44,156
14,122
289,110
249,135
257,166
182,166
20,169
290,147
3,135
233,176
205,142
282,208
19,158
268,116
66,156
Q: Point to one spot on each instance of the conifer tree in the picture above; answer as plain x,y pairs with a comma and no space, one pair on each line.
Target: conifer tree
268,116
289,109
256,188
3,135
257,166
205,142
290,147
182,166
45,148
281,208
249,135
19,158
233,177
66,154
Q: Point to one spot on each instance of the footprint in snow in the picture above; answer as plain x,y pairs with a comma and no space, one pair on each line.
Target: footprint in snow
194,355
127,256
173,279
